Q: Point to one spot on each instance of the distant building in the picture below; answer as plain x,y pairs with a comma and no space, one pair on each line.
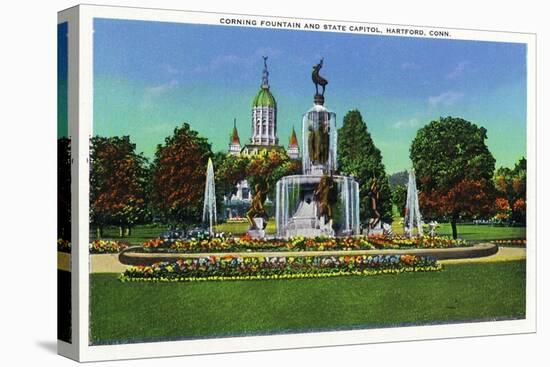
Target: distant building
293,150
234,142
264,137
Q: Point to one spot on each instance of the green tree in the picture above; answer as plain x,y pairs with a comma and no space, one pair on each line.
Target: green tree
178,176
399,178
399,198
229,170
511,184
359,157
398,185
118,182
268,167
454,168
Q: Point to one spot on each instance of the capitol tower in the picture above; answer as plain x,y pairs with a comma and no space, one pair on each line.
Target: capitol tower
264,138
264,114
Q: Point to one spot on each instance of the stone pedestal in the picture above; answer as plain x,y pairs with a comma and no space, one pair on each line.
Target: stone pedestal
326,228
381,229
256,233
259,232
260,224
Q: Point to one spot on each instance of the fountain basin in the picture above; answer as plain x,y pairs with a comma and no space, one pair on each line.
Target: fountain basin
296,208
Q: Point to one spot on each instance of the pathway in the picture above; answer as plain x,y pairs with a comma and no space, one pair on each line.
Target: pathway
108,263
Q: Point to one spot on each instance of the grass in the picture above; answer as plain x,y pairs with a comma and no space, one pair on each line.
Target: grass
241,228
140,234
471,232
133,312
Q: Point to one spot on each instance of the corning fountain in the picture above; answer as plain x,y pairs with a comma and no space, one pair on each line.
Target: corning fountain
318,202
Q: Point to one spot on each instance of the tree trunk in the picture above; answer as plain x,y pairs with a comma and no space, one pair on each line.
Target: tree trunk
453,226
120,232
128,231
99,232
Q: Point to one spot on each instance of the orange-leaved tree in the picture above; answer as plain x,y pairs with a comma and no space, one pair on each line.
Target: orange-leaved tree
178,176
118,184
511,184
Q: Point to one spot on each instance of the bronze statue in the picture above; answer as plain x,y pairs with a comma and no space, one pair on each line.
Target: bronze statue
257,209
326,196
374,198
318,80
318,142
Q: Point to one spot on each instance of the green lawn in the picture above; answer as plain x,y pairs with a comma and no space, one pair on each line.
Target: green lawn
133,312
139,235
241,228
474,232
483,232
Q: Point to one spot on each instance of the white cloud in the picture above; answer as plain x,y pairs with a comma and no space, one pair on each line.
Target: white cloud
234,60
448,98
458,70
406,124
152,93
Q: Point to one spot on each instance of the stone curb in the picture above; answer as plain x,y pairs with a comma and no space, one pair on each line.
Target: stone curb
131,256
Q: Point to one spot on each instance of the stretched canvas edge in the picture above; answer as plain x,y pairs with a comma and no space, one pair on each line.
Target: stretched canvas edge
80,125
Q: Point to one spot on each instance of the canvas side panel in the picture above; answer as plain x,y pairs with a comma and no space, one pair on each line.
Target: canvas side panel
64,327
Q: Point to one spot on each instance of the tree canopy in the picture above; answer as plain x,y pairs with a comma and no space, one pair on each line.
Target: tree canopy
118,183
511,186
268,167
360,158
178,176
454,168
230,170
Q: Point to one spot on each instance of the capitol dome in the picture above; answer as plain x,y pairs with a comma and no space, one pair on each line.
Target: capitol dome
264,98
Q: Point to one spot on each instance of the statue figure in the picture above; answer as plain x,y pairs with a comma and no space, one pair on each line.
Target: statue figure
257,209
317,79
318,142
374,198
326,196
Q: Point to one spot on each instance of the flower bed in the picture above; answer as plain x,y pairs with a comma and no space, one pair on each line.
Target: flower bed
96,247
237,220
514,243
243,268
398,242
107,247
230,244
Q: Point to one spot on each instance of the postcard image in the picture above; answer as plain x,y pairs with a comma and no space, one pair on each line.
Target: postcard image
256,177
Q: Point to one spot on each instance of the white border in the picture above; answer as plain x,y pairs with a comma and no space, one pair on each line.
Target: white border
81,109
70,16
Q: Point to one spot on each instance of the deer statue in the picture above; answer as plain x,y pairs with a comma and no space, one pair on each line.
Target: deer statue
318,80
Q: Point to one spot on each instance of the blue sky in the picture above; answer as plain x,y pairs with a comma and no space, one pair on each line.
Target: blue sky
62,71
152,76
